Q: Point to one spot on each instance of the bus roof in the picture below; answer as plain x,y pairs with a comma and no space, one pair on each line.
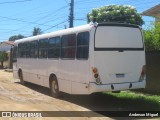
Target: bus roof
82,28
87,27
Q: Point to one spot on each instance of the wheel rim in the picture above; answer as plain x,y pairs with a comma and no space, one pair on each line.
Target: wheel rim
54,87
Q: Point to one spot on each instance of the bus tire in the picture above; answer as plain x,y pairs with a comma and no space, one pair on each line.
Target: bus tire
54,87
21,77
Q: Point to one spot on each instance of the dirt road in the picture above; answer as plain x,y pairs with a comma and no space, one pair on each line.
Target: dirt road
30,97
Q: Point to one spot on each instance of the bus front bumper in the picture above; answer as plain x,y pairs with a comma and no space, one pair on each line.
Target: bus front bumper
93,87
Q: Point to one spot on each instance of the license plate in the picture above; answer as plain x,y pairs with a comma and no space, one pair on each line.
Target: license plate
120,75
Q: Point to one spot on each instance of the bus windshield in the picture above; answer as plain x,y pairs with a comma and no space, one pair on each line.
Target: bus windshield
118,37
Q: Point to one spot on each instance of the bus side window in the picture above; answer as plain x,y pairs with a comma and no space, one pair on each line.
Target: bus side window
27,49
82,45
43,48
19,50
24,49
68,48
34,49
15,54
54,47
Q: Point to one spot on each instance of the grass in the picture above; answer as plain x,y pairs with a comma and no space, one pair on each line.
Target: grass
135,101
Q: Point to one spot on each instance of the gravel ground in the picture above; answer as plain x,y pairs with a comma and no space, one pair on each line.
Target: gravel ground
30,97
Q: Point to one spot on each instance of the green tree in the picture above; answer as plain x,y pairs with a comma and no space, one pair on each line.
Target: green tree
36,31
115,13
156,36
149,46
152,37
3,57
16,37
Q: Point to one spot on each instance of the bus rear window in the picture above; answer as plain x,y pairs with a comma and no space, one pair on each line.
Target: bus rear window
118,37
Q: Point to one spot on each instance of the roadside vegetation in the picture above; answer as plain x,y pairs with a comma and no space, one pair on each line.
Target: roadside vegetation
128,14
115,13
36,31
3,57
134,100
152,37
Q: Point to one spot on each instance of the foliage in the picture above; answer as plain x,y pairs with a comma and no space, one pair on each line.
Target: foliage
16,37
36,31
135,100
152,37
3,57
115,13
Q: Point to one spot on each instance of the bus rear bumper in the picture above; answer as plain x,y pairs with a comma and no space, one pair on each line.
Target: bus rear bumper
93,87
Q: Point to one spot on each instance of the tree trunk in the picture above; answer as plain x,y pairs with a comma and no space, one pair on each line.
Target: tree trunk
2,64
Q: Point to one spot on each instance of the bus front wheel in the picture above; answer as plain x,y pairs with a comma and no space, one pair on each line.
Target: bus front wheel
54,88
21,77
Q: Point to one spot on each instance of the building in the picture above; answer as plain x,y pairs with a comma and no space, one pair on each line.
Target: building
6,46
154,12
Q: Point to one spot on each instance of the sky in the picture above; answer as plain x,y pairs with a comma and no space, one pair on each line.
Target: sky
21,16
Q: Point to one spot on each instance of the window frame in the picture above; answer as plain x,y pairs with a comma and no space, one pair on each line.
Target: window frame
15,53
20,45
64,47
54,47
42,48
83,45
36,48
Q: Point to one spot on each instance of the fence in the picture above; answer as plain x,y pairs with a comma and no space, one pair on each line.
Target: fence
153,72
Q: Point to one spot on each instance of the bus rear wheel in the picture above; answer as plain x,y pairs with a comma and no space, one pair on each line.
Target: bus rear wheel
55,88
21,77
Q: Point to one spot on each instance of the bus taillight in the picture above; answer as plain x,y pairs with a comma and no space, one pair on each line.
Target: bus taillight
94,70
96,75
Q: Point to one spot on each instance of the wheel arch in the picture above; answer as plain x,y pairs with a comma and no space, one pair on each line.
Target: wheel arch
52,78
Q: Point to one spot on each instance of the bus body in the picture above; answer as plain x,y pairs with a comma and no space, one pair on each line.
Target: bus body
85,59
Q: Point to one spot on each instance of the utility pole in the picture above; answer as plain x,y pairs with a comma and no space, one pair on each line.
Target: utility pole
71,16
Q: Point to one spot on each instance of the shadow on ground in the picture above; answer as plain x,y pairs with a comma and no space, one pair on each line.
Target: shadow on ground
102,102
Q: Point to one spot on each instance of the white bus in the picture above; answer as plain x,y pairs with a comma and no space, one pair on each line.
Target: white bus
83,60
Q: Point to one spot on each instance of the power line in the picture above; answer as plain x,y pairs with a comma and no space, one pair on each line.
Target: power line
31,10
22,20
81,19
81,5
52,12
35,22
42,18
55,25
15,1
66,1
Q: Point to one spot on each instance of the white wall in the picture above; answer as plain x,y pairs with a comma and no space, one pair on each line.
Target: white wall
4,47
